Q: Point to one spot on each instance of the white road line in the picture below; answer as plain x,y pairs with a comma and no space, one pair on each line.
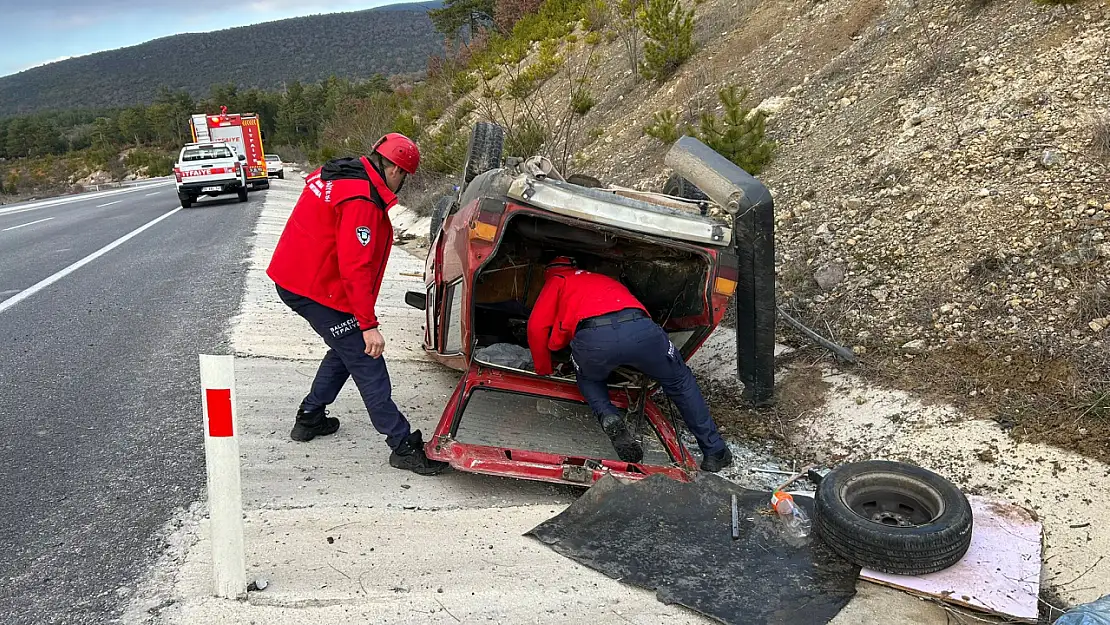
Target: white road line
22,210
29,291
30,223
69,199
150,194
109,204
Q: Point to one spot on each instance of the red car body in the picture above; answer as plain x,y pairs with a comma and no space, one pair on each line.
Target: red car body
457,277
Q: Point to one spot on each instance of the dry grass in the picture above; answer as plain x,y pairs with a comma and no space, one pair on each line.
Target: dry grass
1062,400
1100,136
801,390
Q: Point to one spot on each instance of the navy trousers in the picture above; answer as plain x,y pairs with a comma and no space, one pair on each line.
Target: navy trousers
641,344
347,358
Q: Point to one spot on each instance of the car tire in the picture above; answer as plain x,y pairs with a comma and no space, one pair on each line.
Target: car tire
186,202
264,185
281,175
893,517
439,215
483,153
243,194
680,187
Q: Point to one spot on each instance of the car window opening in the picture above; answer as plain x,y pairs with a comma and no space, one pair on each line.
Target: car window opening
668,279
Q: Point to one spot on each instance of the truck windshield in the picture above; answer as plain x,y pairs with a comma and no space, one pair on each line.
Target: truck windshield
205,153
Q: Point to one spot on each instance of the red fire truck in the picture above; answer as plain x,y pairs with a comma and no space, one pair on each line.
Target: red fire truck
243,132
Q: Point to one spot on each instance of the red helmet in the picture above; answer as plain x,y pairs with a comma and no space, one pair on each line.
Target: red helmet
560,261
400,150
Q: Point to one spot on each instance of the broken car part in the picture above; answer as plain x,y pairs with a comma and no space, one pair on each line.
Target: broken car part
845,353
752,207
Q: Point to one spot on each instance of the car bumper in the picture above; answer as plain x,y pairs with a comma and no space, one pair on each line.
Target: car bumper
274,173
207,188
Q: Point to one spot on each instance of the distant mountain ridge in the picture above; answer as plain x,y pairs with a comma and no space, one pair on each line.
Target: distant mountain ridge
393,39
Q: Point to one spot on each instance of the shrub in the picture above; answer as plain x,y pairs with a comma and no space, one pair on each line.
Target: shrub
491,72
581,101
593,38
597,15
525,139
446,149
663,126
520,87
571,38
669,37
738,134
1100,136
463,83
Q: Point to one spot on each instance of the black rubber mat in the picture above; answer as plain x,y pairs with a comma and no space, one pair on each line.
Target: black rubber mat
516,421
676,539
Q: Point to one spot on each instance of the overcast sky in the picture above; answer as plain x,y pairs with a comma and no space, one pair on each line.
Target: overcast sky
34,32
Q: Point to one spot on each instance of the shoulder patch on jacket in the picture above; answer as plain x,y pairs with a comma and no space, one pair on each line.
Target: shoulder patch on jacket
363,234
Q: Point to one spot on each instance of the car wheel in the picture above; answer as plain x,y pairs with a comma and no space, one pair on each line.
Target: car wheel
281,175
483,153
243,194
893,517
680,187
439,214
264,185
186,202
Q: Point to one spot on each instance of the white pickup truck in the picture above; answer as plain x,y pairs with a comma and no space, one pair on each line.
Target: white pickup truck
209,169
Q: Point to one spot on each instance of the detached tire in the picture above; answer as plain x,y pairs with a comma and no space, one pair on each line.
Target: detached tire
439,214
483,153
892,517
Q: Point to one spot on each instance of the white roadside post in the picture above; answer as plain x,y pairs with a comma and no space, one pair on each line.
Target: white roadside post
221,451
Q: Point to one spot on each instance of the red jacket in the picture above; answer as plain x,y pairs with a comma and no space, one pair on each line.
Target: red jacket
336,243
568,297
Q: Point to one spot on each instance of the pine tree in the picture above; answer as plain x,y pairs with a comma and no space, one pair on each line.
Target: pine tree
669,33
738,135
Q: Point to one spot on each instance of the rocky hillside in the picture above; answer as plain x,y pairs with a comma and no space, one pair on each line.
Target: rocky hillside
942,183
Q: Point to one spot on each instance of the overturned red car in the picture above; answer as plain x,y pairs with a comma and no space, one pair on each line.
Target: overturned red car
483,273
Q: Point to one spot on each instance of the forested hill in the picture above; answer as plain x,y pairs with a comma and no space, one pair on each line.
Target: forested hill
388,40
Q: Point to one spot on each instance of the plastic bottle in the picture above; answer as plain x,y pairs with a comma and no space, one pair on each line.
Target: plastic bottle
795,519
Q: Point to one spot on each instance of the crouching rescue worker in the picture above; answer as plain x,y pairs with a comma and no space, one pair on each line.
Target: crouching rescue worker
607,327
328,267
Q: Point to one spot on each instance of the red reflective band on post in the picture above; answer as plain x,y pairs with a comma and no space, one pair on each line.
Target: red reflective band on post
219,411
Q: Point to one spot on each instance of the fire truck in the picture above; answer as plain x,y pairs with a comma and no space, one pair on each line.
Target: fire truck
244,132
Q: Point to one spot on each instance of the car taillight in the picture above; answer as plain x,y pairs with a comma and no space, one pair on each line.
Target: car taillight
177,174
484,226
237,169
728,271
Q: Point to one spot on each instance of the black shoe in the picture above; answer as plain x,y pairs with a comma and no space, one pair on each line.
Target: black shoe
309,425
409,456
628,449
716,462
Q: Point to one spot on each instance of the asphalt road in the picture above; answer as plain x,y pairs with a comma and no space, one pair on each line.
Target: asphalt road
100,437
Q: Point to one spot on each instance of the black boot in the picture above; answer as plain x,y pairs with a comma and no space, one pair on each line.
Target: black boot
409,456
628,448
716,462
309,425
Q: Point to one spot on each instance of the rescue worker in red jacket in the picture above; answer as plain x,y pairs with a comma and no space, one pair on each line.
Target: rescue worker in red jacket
328,267
607,327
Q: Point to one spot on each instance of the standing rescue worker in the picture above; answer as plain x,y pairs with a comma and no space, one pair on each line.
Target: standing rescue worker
607,327
328,267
